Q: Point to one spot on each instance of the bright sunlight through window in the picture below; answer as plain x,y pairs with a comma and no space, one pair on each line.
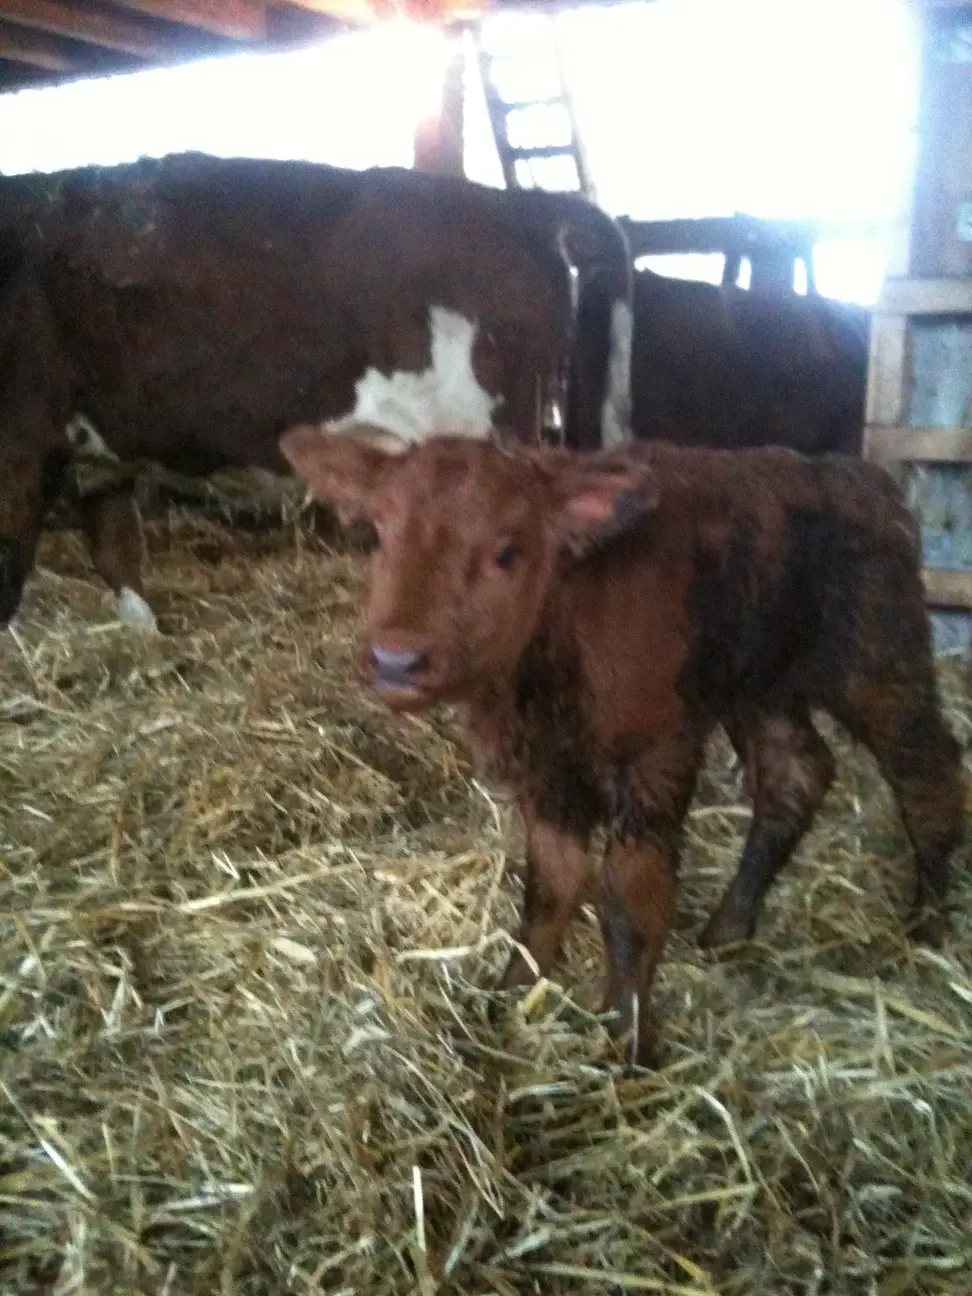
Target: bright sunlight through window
776,108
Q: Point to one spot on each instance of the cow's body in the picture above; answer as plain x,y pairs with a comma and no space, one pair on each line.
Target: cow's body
599,616
192,308
725,368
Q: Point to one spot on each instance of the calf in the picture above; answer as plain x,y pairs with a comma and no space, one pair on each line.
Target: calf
600,615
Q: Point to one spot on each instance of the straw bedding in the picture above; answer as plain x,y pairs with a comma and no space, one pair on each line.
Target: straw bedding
248,929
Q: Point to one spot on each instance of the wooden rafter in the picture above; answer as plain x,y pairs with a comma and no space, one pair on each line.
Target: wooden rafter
126,35
371,11
36,49
46,41
361,12
244,20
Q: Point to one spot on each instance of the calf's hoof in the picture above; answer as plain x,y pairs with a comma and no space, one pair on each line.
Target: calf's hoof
930,927
727,927
634,1049
134,611
518,973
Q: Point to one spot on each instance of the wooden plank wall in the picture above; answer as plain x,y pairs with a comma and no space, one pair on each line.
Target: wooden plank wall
919,410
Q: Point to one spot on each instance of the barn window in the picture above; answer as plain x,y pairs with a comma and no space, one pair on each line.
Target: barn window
700,108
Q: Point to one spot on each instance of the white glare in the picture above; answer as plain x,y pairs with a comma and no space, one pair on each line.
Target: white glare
777,108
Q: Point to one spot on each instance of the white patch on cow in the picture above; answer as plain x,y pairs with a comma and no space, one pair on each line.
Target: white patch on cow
445,398
616,412
84,436
133,610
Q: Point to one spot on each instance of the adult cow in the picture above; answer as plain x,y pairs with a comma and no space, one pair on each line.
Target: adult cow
727,368
192,308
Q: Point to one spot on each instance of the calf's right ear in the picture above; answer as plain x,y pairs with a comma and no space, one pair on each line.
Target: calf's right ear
339,470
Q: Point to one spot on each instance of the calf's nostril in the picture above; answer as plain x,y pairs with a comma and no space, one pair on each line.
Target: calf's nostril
396,666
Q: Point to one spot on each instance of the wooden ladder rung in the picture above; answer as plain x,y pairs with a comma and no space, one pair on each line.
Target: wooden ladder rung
541,151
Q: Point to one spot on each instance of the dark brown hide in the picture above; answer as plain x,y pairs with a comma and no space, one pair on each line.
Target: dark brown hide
726,368
193,308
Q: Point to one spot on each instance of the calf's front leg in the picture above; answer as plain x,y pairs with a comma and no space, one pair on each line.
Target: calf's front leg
114,530
558,869
638,883
636,906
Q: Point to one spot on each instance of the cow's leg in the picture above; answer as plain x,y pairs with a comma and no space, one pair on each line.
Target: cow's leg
114,530
789,768
111,522
637,887
900,721
558,870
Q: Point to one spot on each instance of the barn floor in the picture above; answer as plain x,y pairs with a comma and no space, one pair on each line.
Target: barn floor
248,923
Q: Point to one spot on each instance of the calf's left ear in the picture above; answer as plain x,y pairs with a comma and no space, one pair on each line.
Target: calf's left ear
598,498
340,470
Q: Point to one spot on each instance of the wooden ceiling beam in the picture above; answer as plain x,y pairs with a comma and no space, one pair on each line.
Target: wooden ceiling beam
244,20
19,45
15,76
369,12
126,35
358,12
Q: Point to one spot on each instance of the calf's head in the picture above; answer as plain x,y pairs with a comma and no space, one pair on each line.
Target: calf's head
468,540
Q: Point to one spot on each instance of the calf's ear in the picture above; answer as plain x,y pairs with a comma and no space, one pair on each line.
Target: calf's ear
339,469
600,497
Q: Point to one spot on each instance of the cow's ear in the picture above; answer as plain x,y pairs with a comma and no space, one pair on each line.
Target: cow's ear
599,497
339,470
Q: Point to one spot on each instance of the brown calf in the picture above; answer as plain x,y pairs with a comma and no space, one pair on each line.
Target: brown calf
599,616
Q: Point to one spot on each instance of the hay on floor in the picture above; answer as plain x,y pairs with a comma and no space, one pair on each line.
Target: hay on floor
248,927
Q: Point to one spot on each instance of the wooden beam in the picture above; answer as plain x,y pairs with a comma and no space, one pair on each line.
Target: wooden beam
367,12
926,297
885,372
360,12
61,19
948,589
19,45
919,445
439,137
736,233
244,20
23,76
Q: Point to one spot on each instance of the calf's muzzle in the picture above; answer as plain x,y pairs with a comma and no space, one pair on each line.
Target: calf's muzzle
395,667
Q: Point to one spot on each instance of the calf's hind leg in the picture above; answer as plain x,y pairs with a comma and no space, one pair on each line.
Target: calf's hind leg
900,722
789,768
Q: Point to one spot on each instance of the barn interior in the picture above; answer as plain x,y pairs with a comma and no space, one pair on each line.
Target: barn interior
250,923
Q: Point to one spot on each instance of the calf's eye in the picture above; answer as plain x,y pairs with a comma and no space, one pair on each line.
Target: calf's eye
506,557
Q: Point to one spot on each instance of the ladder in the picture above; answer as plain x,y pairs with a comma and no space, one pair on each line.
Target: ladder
530,108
